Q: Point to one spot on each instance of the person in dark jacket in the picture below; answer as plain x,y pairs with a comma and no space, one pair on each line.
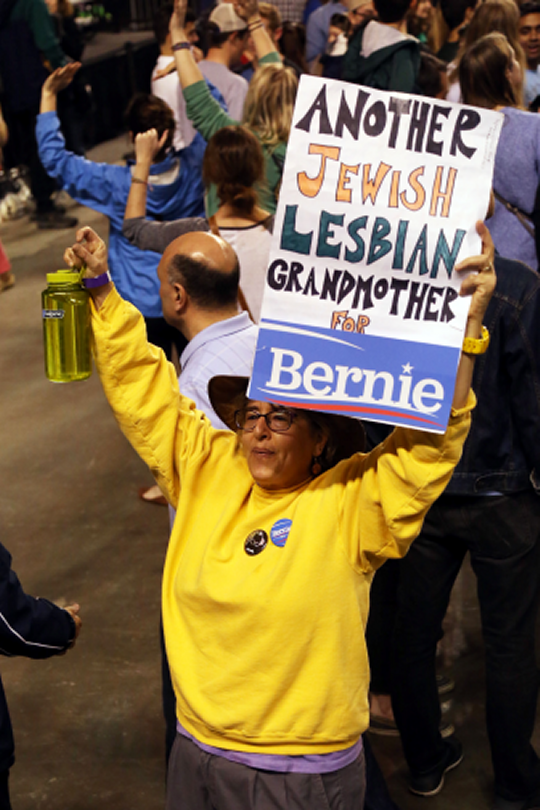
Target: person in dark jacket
491,509
381,54
35,628
27,43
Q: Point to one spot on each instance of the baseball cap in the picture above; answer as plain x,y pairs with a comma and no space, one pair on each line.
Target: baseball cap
226,19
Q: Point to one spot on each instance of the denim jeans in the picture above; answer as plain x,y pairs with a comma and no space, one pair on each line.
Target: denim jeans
502,535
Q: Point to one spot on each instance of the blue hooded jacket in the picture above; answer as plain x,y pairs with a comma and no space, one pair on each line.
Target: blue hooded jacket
177,192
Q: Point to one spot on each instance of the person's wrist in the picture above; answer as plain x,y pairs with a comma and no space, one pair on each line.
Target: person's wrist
178,35
473,327
98,281
142,167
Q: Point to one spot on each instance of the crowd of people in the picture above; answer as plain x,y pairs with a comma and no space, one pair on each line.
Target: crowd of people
376,522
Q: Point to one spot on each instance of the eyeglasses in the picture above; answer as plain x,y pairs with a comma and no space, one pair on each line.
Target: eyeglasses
278,421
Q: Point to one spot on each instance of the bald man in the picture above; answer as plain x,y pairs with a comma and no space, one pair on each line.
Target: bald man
199,276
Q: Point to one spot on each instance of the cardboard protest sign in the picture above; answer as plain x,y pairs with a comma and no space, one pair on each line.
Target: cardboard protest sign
380,196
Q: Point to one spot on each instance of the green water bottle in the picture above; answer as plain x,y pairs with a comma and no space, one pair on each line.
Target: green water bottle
66,327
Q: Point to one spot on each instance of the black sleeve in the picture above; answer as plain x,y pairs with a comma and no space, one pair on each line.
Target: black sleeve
35,628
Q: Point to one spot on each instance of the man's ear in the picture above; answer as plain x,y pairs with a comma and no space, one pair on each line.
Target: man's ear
180,297
277,33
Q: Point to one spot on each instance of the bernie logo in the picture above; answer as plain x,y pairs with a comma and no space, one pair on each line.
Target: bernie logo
349,383
280,531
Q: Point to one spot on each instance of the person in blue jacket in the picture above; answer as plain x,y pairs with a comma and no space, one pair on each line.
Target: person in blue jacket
175,191
35,628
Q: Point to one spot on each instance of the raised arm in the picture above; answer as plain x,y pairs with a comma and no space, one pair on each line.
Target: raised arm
248,10
56,81
147,146
480,285
145,233
188,70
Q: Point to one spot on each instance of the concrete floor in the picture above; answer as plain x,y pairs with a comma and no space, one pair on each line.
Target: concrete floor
88,726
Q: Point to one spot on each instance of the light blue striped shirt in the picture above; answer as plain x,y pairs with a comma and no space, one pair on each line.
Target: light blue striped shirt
225,347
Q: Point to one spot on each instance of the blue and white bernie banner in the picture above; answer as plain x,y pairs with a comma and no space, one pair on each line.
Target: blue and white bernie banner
379,199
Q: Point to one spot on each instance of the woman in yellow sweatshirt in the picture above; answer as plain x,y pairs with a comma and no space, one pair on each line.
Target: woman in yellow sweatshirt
269,565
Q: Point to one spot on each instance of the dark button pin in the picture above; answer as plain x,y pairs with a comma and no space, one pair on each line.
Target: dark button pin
256,542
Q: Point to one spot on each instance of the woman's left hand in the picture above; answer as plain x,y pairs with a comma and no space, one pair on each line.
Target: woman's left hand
481,284
178,17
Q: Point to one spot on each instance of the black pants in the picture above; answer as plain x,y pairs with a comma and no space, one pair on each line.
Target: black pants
5,803
502,534
21,148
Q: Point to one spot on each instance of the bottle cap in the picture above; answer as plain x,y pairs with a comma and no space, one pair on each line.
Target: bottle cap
64,277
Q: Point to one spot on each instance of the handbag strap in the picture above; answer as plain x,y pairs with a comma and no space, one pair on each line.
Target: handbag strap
524,218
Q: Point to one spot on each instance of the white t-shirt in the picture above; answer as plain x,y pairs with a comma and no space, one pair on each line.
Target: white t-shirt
252,246
170,91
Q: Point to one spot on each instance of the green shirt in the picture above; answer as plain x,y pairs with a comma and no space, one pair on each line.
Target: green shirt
208,117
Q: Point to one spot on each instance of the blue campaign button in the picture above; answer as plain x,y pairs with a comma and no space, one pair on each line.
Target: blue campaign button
280,532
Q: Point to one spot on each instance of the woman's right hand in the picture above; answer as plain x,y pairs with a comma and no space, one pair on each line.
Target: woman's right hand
60,78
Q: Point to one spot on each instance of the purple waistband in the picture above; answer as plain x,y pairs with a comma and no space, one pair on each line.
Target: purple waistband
307,763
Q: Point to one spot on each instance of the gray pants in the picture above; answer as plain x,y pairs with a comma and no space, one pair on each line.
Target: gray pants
201,781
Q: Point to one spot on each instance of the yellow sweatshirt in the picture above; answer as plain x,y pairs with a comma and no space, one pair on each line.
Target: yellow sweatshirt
267,652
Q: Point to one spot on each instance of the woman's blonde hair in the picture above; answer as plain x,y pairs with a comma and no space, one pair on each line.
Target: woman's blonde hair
495,16
483,73
269,103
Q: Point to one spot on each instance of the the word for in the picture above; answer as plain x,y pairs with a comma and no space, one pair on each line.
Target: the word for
342,320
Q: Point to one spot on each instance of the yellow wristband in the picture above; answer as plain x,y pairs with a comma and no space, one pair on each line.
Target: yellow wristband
476,345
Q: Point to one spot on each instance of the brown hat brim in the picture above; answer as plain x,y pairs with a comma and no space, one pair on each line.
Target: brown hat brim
347,436
227,394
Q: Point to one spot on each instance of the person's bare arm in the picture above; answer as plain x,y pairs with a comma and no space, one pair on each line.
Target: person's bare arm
481,286
56,81
188,70
147,146
248,10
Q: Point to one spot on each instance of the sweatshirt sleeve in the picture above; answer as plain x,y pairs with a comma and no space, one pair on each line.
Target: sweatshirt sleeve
163,426
149,235
35,628
204,111
387,493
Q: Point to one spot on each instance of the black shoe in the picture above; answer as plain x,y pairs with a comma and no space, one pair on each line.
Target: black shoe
431,783
54,220
58,209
